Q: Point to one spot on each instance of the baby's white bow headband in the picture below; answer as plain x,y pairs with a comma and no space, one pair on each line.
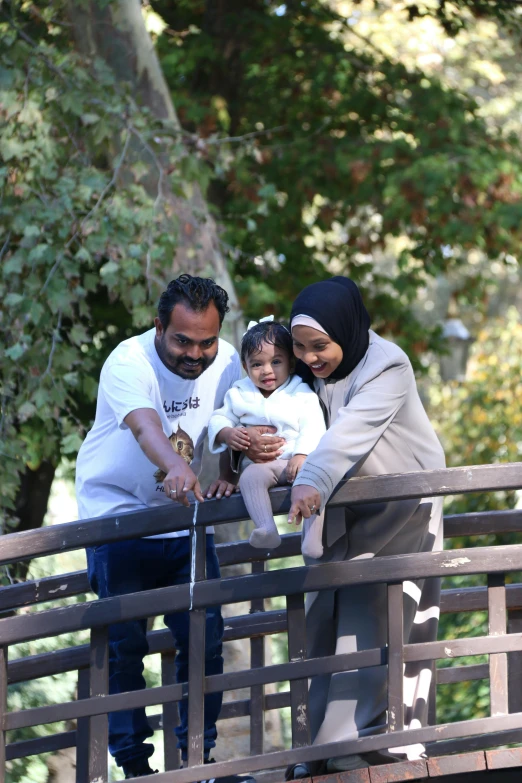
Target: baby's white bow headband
251,324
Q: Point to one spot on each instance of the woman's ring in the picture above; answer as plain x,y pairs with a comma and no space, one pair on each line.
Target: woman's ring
172,491
264,448
312,508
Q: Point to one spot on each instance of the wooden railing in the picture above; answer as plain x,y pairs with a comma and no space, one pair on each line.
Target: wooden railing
91,661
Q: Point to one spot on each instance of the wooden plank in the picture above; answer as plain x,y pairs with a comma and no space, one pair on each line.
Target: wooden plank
401,770
268,585
295,611
38,745
452,765
502,758
170,713
395,657
354,776
164,519
454,648
483,523
453,674
98,724
497,626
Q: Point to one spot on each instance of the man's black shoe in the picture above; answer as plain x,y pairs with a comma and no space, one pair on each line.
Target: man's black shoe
226,778
138,769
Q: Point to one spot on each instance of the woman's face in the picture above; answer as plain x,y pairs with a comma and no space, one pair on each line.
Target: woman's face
322,355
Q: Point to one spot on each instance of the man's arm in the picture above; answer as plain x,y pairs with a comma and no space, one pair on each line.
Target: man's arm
145,425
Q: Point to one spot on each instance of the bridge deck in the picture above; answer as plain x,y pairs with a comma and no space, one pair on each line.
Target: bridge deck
501,765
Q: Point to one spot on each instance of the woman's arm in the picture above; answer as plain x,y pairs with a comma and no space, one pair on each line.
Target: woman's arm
355,432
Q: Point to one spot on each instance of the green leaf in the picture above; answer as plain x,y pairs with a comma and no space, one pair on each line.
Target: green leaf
16,351
71,443
11,300
89,118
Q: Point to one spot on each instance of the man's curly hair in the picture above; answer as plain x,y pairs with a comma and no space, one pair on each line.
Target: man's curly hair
194,292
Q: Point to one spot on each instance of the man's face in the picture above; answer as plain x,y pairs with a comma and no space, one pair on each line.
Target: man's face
189,344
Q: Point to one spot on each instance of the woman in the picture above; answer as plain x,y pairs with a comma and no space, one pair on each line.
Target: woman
376,425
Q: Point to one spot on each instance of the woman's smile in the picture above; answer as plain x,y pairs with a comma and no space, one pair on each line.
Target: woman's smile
317,350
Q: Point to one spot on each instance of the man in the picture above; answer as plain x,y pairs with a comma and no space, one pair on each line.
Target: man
157,392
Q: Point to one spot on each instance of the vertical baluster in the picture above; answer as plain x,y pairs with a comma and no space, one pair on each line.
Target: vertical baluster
82,731
395,658
298,688
170,713
196,678
497,626
432,698
99,686
257,660
515,664
3,708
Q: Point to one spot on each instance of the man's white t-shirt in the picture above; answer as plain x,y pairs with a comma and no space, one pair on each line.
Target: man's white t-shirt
113,475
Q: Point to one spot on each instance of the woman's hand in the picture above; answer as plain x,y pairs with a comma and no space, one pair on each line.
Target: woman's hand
305,502
263,448
294,466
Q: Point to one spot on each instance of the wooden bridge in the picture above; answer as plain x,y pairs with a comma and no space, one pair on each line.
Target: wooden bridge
475,749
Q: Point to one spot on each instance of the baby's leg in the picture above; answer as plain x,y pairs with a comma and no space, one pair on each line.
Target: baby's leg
312,536
255,481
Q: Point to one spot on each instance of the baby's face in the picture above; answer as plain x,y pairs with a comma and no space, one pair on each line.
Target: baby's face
269,368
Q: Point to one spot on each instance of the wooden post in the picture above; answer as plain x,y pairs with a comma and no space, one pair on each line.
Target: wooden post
98,724
196,677
257,660
515,664
497,626
170,713
82,731
395,657
298,688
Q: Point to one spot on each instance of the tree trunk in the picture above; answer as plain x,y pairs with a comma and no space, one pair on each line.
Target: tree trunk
31,506
117,33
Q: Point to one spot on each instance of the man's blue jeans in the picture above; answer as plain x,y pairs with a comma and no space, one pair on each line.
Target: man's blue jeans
144,564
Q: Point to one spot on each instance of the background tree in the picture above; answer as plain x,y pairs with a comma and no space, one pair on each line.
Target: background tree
101,206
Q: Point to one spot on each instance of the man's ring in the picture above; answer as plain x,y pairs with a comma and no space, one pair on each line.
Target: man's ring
264,448
312,508
172,491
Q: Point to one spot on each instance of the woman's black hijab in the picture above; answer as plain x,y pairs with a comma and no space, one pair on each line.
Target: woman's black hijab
337,305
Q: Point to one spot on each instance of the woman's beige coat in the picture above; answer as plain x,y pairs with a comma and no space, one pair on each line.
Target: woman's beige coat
376,425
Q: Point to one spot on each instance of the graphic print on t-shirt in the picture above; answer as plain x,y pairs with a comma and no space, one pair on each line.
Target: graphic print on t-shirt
183,445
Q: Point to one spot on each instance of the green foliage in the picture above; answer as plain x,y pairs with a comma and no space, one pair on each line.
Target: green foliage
86,244
349,161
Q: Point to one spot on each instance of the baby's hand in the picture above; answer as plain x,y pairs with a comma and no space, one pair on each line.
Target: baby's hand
237,438
295,464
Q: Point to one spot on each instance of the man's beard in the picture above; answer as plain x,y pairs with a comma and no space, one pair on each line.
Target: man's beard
185,368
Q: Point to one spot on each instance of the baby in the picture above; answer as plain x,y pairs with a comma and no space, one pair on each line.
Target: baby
270,395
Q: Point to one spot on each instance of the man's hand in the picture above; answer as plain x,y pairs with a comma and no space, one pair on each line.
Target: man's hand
263,448
305,502
235,437
179,480
221,487
295,464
